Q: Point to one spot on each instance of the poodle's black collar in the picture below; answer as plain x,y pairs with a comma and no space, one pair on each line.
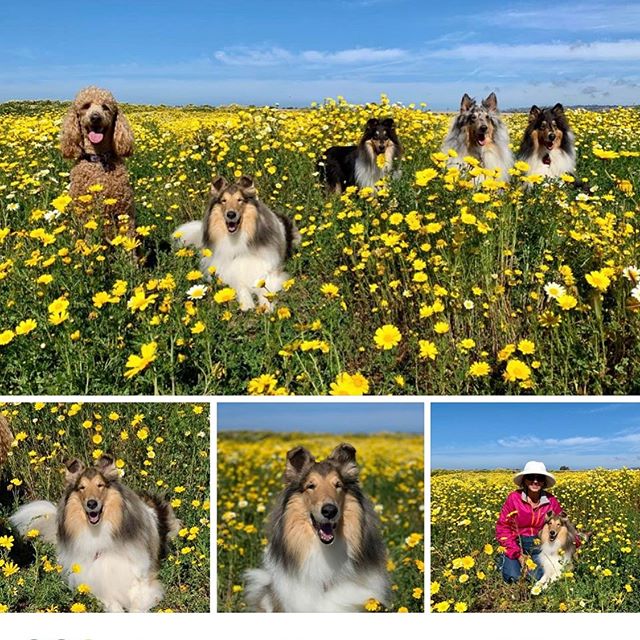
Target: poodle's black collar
105,159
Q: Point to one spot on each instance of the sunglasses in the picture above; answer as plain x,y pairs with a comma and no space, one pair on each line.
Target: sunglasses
535,478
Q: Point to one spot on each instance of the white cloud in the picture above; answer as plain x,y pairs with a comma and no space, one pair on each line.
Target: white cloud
277,56
621,50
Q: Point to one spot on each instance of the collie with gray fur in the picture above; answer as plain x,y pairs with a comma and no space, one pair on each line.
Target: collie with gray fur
113,535
478,131
248,242
548,143
364,164
325,551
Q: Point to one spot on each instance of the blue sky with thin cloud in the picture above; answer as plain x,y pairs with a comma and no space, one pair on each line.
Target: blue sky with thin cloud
575,52
506,435
322,417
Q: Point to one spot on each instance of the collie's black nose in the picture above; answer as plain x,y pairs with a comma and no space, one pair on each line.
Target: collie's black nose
231,216
329,511
92,504
552,136
483,128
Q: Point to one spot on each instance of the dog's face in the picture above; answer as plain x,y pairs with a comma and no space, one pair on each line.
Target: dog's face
379,134
323,485
478,119
90,487
547,126
556,526
232,207
97,111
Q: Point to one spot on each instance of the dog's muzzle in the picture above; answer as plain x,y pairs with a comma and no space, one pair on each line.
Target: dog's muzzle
232,220
326,529
93,509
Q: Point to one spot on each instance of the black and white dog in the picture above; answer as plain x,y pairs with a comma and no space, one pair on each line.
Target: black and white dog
548,143
363,164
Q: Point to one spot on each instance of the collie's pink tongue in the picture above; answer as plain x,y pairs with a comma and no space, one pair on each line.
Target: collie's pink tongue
95,137
326,532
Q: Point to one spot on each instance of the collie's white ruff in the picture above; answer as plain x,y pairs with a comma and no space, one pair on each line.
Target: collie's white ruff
119,573
239,266
327,582
555,557
368,173
561,162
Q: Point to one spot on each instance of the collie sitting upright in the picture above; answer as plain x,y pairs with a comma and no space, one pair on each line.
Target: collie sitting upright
558,542
107,536
478,131
248,242
325,552
548,143
364,164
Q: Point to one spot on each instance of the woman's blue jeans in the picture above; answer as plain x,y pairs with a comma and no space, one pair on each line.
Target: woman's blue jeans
511,568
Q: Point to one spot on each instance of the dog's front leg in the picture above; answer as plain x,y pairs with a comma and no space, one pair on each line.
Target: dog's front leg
245,299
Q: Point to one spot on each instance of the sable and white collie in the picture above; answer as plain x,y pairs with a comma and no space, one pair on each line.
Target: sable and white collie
558,544
325,552
107,536
363,164
548,145
478,131
248,242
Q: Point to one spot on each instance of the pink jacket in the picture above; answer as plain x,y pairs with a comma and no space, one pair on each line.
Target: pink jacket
519,518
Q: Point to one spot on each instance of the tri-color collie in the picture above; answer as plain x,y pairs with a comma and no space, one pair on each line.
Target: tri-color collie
557,547
325,551
248,242
478,131
107,536
548,143
363,164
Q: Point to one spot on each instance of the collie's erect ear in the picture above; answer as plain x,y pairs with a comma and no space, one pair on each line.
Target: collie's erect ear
465,103
548,516
122,136
248,187
388,122
534,113
371,123
71,135
75,469
345,455
218,185
298,461
107,467
491,102
558,110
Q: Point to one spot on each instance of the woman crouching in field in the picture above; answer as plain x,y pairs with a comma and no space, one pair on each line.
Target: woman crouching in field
521,519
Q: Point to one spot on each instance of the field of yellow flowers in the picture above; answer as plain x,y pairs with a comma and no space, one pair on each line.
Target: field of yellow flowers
606,572
426,286
250,470
162,449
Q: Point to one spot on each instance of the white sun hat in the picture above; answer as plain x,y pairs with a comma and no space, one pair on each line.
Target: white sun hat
533,467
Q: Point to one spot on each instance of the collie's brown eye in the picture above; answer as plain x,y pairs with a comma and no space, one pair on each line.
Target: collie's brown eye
338,485
310,486
100,486
81,488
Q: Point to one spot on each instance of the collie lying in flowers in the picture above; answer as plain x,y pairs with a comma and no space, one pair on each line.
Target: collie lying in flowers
107,536
247,242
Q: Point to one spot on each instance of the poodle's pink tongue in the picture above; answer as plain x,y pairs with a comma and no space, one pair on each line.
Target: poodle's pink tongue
95,137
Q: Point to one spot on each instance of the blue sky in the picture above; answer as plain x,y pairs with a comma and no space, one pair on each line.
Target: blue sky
292,53
322,417
506,435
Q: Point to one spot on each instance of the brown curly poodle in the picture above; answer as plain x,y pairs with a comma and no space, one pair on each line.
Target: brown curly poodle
96,134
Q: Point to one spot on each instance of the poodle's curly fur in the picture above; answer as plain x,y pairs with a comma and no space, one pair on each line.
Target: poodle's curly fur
96,134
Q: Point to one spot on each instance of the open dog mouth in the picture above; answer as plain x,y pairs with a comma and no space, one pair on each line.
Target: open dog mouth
94,516
548,144
482,139
232,225
552,535
96,136
325,530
